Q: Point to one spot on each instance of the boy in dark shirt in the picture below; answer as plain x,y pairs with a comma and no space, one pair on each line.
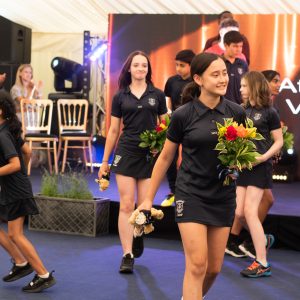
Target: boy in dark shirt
173,90
236,67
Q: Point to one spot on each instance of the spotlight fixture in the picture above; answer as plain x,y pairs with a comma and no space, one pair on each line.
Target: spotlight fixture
68,75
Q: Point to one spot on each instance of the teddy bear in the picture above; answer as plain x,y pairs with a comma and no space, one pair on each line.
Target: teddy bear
143,220
103,182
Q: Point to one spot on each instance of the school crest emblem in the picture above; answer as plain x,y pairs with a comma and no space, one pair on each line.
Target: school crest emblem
240,71
117,160
179,208
151,101
257,116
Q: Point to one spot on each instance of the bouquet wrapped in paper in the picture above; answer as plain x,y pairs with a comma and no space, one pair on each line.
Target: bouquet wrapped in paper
236,147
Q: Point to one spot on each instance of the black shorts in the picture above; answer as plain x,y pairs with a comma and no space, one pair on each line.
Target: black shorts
260,176
17,209
139,165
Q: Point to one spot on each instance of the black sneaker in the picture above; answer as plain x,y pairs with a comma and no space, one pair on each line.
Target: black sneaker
137,246
247,247
38,284
256,269
127,264
233,250
17,272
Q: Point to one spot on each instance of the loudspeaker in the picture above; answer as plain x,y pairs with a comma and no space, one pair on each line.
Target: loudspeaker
11,71
15,43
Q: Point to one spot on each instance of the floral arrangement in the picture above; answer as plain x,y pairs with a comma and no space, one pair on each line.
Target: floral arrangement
143,220
237,150
288,137
155,139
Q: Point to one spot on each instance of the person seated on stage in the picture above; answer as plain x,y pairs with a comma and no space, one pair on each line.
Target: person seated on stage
25,87
173,90
236,67
225,26
2,79
215,40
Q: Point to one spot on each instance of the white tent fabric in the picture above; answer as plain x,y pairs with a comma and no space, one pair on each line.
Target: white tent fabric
58,25
75,16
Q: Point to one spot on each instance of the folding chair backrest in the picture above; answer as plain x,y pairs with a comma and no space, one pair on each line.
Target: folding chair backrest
36,115
72,115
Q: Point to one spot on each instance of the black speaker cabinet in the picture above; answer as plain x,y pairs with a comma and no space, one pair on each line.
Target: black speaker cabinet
11,71
15,43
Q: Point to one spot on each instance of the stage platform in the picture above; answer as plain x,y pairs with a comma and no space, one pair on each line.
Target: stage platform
283,220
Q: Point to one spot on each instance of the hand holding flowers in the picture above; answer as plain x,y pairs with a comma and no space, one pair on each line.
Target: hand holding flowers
155,139
236,147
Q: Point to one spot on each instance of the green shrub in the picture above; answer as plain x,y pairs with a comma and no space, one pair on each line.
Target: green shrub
70,185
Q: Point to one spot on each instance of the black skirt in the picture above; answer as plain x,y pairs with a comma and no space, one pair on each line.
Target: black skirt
260,176
17,209
137,165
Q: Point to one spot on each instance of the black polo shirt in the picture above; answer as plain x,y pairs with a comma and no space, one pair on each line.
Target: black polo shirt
235,72
15,186
173,89
138,114
265,119
194,126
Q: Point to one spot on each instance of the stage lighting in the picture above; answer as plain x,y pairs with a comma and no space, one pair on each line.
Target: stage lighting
98,51
68,75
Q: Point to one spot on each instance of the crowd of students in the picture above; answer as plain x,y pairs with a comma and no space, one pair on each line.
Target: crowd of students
206,88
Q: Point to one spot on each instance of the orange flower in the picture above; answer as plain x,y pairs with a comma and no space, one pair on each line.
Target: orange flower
241,131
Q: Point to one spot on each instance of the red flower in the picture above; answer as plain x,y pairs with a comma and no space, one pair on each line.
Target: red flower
231,133
158,129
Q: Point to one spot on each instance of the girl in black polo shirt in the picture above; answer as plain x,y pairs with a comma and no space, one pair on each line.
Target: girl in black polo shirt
138,104
204,207
252,183
17,201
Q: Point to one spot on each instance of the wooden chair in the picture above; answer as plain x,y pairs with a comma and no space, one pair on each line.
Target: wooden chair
72,124
36,126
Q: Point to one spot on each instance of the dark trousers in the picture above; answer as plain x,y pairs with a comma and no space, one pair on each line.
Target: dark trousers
172,173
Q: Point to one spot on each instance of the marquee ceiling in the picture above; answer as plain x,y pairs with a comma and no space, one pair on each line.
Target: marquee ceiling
75,16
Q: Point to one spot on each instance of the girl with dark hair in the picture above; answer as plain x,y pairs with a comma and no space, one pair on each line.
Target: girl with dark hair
252,183
138,105
17,201
204,207
273,78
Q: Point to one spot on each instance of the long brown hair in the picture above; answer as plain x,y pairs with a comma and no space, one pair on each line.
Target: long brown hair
199,65
125,75
259,90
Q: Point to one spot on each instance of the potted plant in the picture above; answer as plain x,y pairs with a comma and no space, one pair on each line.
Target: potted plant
67,206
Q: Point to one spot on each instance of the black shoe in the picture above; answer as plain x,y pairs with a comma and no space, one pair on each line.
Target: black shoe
137,246
38,284
17,272
233,250
127,264
247,247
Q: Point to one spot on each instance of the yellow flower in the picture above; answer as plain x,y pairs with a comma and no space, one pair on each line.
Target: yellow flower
162,126
251,133
235,124
222,131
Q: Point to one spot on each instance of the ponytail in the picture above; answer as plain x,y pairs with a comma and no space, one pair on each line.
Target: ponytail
190,91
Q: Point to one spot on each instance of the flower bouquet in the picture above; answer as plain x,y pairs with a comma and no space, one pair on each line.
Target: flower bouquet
236,147
288,137
154,139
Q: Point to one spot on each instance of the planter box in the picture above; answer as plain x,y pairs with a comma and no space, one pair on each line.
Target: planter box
61,215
